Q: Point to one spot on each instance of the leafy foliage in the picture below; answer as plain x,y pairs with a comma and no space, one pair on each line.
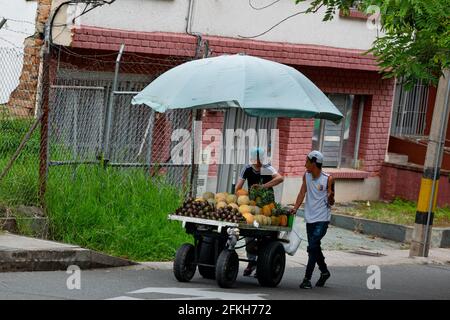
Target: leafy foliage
416,40
262,196
119,212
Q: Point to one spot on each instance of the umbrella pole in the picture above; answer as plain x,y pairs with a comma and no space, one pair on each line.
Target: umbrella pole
196,115
257,132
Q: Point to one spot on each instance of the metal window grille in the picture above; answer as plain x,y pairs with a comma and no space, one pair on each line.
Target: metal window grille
410,109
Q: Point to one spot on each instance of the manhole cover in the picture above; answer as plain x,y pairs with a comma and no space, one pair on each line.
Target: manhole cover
367,253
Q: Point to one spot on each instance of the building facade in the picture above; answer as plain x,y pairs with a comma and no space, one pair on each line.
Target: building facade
330,54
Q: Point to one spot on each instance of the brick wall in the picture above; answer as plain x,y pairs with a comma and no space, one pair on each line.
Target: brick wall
295,141
162,134
211,120
23,98
404,182
179,44
377,109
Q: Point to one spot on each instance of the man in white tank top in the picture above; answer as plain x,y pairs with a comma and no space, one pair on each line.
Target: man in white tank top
318,187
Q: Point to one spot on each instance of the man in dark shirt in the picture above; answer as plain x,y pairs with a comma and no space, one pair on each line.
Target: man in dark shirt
257,175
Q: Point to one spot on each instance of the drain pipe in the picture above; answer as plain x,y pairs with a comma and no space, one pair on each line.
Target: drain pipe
362,101
189,28
189,17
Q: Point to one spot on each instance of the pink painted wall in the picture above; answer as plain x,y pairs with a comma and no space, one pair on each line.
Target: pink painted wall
404,182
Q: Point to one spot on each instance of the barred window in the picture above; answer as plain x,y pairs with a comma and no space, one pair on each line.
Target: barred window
410,110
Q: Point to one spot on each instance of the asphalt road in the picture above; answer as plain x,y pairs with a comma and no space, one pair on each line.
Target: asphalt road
397,282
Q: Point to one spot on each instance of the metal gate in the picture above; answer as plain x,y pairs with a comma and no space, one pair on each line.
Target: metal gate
236,119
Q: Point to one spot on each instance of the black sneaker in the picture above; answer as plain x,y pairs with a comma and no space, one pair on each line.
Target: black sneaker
250,268
306,284
323,278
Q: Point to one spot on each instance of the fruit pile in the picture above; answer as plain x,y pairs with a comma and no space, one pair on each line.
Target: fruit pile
199,208
234,208
262,196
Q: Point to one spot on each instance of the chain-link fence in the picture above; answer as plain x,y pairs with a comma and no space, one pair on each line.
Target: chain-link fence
92,121
19,138
69,132
19,134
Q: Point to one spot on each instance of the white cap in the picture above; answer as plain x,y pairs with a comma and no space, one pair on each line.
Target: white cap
256,153
316,154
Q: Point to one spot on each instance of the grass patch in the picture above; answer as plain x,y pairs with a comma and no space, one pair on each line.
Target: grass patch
20,185
120,212
398,211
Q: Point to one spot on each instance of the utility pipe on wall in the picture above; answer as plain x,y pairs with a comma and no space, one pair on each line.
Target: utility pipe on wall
358,132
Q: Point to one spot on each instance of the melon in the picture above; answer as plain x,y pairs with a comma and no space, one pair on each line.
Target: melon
208,195
283,220
267,211
242,192
275,221
231,198
220,197
257,210
243,200
245,208
249,218
221,204
259,219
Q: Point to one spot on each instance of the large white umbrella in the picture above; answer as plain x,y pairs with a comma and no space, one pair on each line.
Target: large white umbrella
262,88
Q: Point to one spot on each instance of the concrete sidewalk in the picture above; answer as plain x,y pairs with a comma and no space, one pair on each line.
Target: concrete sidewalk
18,253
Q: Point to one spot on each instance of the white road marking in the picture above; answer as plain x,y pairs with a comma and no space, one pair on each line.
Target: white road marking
125,298
199,293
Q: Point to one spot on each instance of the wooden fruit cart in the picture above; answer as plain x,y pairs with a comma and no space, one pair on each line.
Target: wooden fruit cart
214,251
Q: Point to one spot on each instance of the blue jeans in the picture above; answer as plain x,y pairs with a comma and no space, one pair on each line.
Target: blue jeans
315,231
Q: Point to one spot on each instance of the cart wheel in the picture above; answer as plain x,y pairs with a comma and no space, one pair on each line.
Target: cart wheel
184,265
206,255
271,264
227,268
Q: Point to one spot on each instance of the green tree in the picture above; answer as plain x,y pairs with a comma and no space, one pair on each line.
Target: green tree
415,44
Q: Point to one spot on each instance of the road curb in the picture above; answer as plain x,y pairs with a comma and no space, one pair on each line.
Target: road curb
440,237
53,260
18,253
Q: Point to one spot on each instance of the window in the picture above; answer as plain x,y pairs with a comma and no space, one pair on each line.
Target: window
410,109
337,141
354,12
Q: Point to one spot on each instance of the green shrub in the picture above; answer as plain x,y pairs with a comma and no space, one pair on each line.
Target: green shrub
120,212
20,185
